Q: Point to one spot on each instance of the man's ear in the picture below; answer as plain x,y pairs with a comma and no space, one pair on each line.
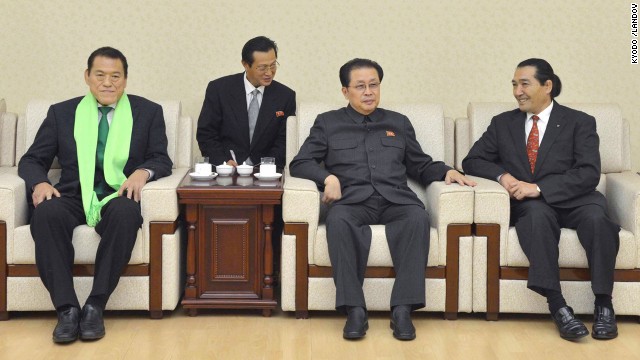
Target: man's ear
549,86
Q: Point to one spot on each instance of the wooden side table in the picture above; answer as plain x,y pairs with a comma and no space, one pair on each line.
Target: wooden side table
229,249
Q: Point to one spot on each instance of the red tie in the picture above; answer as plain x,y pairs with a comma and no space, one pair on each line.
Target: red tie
533,143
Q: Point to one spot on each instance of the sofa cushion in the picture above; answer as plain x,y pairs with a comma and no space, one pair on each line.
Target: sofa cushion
572,255
379,254
85,242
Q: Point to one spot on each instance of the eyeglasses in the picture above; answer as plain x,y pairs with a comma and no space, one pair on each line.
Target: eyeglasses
273,67
362,87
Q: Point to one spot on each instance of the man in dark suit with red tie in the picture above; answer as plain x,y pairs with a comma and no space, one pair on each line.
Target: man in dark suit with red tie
109,145
547,157
247,113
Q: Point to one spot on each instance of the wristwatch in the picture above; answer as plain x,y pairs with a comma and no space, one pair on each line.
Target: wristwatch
538,188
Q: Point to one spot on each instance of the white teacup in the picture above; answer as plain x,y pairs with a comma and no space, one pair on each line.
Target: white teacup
203,168
224,169
244,169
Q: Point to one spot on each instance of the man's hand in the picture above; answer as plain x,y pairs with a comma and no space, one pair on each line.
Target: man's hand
232,163
133,185
521,190
518,189
455,176
332,191
43,191
508,181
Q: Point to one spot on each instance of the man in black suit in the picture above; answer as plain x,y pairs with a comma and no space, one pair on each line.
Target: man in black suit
547,157
100,185
247,113
368,153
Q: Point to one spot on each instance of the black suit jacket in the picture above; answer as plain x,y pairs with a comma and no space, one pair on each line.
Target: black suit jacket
568,163
148,148
223,124
377,156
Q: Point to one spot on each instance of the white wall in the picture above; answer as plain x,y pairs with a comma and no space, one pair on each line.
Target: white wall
448,52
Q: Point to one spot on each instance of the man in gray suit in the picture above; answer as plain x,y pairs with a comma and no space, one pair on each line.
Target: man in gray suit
547,157
368,153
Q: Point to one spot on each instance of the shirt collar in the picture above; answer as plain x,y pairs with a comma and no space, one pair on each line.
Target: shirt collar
248,87
543,115
358,118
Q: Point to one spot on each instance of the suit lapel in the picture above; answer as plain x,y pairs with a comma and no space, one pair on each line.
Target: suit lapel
516,127
266,114
550,135
239,105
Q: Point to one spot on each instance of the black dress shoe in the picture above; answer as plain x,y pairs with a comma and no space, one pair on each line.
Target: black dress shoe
68,324
91,324
569,326
401,323
357,323
604,323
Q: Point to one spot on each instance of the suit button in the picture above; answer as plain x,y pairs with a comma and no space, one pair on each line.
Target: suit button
373,166
370,149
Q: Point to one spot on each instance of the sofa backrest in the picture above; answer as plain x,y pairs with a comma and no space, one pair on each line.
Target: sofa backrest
612,129
8,122
427,120
179,130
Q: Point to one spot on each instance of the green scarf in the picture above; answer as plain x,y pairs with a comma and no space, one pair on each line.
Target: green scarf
116,152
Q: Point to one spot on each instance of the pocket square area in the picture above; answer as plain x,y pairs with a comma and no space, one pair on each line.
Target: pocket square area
279,113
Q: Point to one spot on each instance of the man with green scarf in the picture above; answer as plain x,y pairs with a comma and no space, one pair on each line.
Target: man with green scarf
109,145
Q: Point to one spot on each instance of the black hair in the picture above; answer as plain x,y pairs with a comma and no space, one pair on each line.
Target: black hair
345,70
260,43
544,72
110,53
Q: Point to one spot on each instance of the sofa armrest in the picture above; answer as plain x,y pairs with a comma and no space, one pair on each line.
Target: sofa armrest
14,208
448,204
300,201
623,200
492,206
159,198
462,140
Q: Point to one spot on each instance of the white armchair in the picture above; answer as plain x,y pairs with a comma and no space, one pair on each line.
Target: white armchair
153,279
306,276
500,267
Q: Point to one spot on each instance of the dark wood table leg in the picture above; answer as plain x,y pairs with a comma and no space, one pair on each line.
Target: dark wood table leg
191,290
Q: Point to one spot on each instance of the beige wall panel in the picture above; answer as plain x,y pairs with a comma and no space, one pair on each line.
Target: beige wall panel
448,52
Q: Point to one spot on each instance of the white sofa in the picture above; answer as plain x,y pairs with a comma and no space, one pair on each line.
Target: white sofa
152,281
499,264
306,281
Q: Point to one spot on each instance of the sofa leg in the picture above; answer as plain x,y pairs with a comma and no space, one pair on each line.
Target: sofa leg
492,316
302,314
451,316
155,314
4,315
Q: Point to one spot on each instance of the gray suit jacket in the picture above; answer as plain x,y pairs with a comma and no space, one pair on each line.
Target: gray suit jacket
377,156
568,164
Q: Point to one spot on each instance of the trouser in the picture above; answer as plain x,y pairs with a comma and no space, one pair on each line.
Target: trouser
538,227
349,240
52,225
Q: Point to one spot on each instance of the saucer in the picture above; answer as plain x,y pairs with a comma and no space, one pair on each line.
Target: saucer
268,176
202,177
